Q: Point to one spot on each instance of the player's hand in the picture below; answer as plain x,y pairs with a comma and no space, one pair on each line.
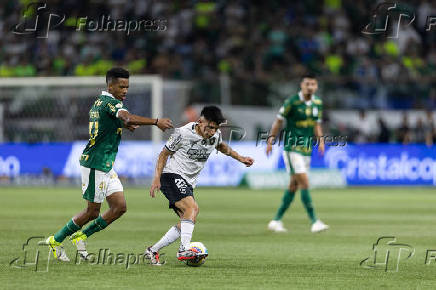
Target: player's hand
248,161
132,128
268,149
321,148
155,185
164,124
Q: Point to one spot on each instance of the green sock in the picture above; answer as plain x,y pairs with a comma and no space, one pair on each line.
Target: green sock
97,225
287,199
307,201
69,229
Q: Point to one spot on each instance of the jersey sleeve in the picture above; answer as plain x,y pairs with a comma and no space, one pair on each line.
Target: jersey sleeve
174,141
112,108
284,110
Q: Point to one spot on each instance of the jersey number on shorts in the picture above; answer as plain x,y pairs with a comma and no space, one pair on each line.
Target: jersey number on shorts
181,185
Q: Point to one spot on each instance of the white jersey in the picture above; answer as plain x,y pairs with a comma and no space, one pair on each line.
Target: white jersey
191,152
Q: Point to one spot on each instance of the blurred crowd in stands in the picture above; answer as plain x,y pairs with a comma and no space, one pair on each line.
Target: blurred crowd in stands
254,42
364,130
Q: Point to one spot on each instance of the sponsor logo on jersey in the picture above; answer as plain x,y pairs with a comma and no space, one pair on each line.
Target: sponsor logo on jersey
198,153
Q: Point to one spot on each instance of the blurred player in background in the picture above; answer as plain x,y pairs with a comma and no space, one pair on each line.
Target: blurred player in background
303,113
107,117
188,149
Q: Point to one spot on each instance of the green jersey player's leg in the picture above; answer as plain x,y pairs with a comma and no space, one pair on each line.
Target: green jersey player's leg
107,118
97,187
302,114
298,166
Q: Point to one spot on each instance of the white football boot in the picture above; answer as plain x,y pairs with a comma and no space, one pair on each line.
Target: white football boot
153,257
318,226
276,226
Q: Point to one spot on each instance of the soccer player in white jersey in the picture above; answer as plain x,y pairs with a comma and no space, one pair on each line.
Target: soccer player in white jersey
177,169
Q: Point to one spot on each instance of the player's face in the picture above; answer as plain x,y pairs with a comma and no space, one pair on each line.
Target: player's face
309,86
207,129
118,88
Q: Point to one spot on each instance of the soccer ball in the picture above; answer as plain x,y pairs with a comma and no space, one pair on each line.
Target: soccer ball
201,249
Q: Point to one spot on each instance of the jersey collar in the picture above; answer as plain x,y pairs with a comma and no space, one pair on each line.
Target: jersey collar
308,103
104,93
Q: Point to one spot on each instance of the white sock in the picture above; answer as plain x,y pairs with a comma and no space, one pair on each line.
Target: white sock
170,237
186,229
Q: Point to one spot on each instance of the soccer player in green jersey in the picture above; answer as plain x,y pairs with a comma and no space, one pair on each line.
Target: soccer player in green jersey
302,113
107,118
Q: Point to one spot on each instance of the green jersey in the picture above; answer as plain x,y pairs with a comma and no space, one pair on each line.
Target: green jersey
301,117
105,131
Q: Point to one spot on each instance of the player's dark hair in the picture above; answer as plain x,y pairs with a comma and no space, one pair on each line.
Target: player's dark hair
115,73
308,76
213,114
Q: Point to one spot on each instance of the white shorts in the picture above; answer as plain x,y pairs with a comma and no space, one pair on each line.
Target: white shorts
296,162
97,185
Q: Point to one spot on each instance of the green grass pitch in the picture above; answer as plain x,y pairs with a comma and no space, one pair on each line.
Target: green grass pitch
232,224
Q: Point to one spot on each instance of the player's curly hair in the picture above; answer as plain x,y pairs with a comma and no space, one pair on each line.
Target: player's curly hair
213,114
116,72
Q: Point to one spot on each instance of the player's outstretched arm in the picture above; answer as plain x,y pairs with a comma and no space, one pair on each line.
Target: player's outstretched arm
275,129
130,120
225,149
161,162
